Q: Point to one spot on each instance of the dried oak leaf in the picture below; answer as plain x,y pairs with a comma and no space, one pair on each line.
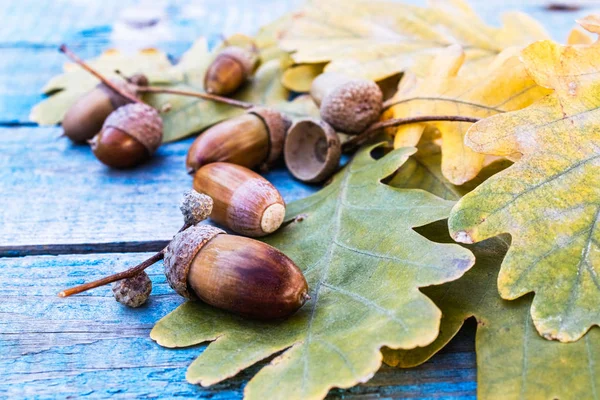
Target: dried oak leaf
377,39
364,264
549,200
502,86
513,361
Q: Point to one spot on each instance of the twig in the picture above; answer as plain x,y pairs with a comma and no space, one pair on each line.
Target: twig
113,278
64,49
205,96
367,134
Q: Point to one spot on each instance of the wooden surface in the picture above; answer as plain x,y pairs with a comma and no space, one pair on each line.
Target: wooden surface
56,199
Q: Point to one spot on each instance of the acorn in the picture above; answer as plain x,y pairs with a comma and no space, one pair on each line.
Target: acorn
312,150
85,117
230,70
254,139
348,104
129,136
234,273
133,292
244,201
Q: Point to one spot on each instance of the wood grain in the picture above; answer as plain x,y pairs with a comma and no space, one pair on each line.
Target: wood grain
89,345
57,193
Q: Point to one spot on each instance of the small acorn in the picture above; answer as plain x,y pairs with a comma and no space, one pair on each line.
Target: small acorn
312,150
244,201
85,117
129,136
254,139
234,273
230,70
133,292
348,104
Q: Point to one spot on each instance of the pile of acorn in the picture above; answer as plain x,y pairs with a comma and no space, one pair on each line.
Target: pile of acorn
234,273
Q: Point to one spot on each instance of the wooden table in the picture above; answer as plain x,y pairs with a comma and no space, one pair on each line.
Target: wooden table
66,219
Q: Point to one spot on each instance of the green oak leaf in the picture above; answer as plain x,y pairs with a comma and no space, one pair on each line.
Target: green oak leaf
354,241
513,360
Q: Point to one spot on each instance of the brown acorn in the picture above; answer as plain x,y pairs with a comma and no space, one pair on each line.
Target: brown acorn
85,117
234,273
129,136
244,201
312,150
348,104
229,70
254,139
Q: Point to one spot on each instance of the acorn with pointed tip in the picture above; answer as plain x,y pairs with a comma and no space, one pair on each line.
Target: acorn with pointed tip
234,273
85,117
252,140
129,136
348,104
244,201
312,150
229,70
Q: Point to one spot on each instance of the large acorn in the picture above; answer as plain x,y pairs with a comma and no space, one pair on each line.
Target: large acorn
129,136
229,70
234,273
348,104
254,139
244,201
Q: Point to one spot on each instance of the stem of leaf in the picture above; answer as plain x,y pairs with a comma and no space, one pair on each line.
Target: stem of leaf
64,49
205,96
368,133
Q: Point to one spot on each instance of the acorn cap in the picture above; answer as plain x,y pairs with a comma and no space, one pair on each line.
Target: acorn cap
181,252
353,106
312,150
195,207
140,121
246,58
134,291
277,125
115,98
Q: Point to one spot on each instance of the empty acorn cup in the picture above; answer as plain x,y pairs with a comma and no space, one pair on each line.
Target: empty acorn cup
312,150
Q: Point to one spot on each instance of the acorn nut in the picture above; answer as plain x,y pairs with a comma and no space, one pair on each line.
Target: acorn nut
234,273
229,70
244,201
312,150
85,117
348,104
134,291
254,139
129,136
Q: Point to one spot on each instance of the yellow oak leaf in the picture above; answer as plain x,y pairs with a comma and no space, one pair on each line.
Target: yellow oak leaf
549,200
503,86
377,39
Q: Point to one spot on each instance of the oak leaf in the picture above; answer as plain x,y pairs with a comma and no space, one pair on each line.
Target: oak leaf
502,86
377,39
513,361
549,200
364,276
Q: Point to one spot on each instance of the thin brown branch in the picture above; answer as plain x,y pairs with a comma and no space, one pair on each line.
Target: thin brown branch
113,278
368,134
205,96
63,48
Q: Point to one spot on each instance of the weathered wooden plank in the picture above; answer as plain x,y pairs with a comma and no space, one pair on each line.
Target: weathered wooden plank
89,345
57,193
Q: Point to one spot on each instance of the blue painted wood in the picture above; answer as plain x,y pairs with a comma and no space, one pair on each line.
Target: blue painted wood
90,346
56,193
